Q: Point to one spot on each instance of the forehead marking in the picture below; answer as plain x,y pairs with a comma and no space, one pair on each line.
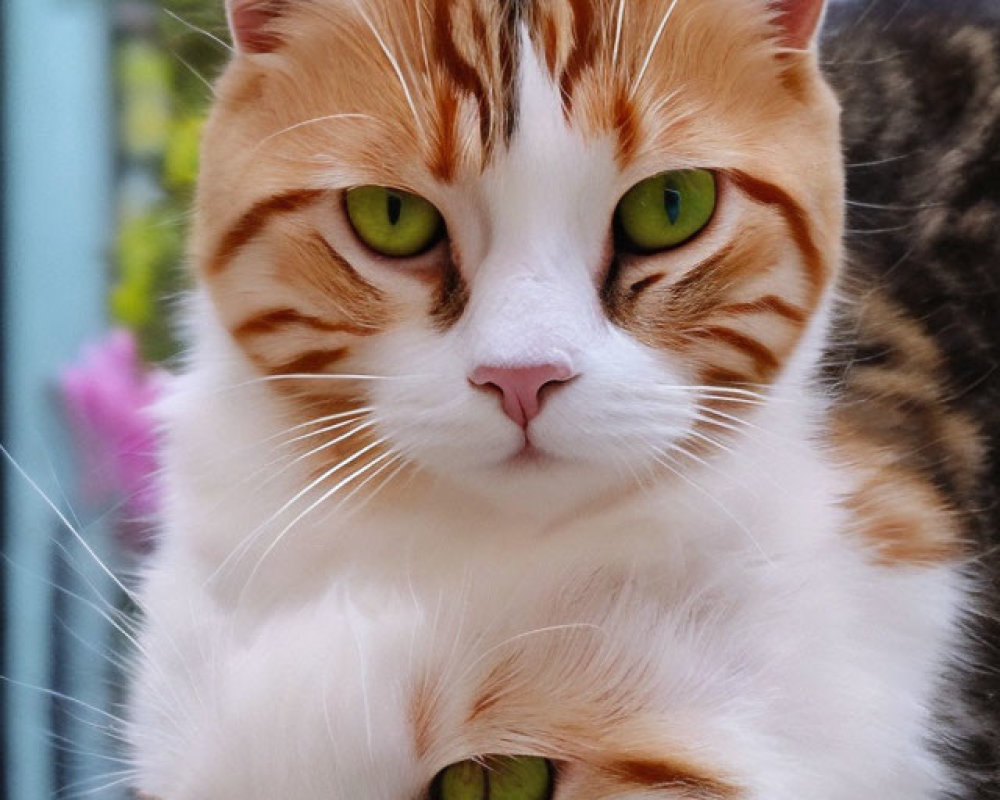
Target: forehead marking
489,78
584,50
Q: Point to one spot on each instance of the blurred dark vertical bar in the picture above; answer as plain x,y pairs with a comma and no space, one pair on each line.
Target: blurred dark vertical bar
3,410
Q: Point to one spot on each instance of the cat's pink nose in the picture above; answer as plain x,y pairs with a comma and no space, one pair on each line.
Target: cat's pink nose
522,387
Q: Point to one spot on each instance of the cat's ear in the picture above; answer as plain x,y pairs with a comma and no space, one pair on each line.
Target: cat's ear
251,23
799,21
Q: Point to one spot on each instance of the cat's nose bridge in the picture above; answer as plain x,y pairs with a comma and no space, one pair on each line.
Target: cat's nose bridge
523,313
521,387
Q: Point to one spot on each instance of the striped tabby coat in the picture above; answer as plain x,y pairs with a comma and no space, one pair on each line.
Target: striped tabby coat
712,520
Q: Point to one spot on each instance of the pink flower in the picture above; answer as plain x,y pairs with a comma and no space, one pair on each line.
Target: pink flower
108,394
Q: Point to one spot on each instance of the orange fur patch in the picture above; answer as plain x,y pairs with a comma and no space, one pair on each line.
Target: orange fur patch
670,774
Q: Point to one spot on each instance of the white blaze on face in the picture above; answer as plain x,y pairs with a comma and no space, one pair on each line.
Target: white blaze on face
534,233
534,295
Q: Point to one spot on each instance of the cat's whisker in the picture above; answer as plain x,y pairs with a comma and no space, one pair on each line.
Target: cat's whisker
191,26
70,527
290,459
57,695
395,67
320,432
715,443
878,162
119,621
662,456
190,68
884,207
626,465
313,376
765,438
570,626
322,499
238,552
763,397
68,747
121,776
619,21
354,412
652,48
418,8
308,122
398,461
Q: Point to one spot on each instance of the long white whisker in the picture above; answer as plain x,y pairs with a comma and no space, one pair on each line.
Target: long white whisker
735,400
322,499
618,33
418,7
724,392
64,697
396,460
570,626
76,534
714,500
312,376
249,540
196,29
313,121
194,71
123,776
395,66
326,429
652,47
710,441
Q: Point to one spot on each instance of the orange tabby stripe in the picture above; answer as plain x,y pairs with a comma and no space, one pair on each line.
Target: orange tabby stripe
626,122
769,194
442,165
767,304
698,273
584,49
310,362
495,687
550,42
280,318
671,773
720,376
764,360
462,72
422,713
254,221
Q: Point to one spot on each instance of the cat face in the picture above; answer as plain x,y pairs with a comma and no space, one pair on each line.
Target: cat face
614,223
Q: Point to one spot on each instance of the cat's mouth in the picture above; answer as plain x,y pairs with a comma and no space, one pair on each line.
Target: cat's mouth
530,455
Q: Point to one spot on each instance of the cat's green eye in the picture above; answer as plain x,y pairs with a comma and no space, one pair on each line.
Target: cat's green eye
495,778
393,222
666,210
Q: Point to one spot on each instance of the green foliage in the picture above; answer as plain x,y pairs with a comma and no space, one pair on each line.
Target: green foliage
164,75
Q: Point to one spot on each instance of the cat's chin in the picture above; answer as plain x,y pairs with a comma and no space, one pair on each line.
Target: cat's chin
535,482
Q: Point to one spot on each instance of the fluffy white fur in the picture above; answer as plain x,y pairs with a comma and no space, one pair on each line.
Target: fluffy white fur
721,597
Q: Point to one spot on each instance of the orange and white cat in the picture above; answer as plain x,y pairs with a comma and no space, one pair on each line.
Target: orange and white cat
502,435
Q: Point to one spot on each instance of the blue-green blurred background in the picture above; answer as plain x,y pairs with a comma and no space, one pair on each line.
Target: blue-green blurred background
102,102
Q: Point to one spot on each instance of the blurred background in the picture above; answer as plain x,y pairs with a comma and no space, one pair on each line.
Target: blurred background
102,104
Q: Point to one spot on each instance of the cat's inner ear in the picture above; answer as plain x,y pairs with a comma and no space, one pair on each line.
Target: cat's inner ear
798,20
252,24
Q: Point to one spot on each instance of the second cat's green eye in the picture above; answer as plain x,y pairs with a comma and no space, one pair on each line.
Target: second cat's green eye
393,222
666,210
495,778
